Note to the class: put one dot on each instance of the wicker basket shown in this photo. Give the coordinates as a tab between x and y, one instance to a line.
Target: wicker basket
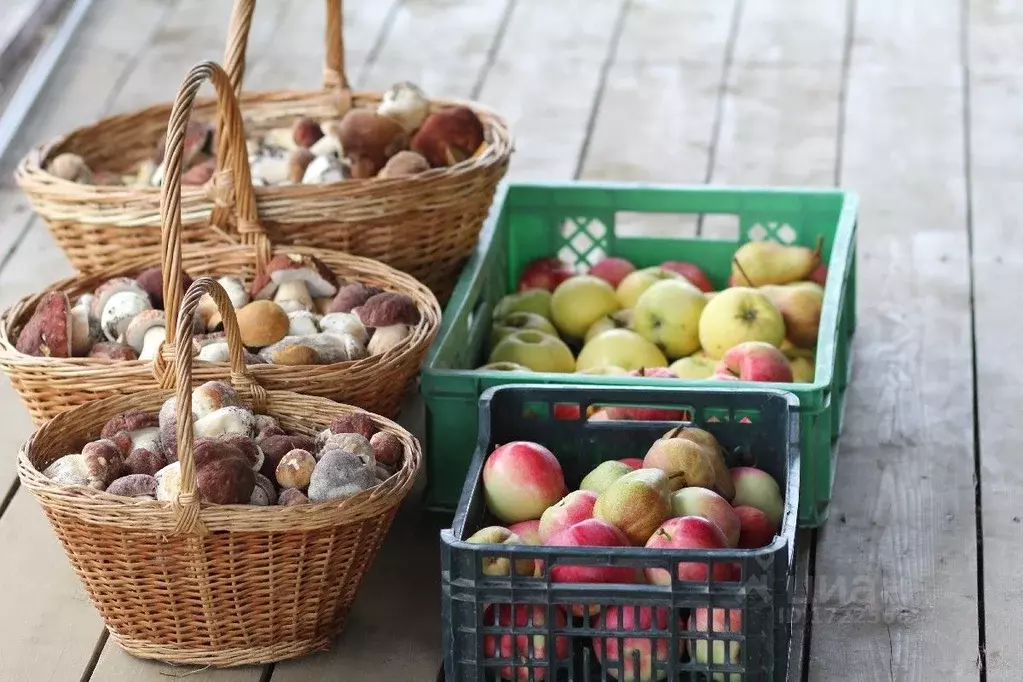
50	385
425	225
222	585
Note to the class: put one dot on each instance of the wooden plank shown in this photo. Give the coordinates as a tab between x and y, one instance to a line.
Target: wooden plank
20	31
896	593
996	172
804	34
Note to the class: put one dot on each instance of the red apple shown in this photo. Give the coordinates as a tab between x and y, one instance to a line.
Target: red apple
690	532
755	361
590	533
571	509
638	619
528	531
756	488
566	411
612	270
696	276
544	273
634	462
714	654
520	480
530	662
756	529
819	274
708	504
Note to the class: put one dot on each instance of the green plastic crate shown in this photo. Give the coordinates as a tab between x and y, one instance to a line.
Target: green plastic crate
577	221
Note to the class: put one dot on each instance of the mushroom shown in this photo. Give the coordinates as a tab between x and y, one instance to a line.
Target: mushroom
248	447
321	304
369	139
140	427
387	448
291	351
226	420
212	396
200	173
289	267
119	310
223	474
151	281
298	162
293	295
215	352
109	288
323	169
104	462
271	170
168	482
388	308
262	323
449	136
146	332
403	164
355	422
71	167
328	146
113	351
68	470
355	443
407	104
351	296
141	486
295	469
321	349
292	497
276	446
264	494
264	422
341	474
386	338
344	323
306	132
281	138
302	323
85	329
235	290
48	332
144	460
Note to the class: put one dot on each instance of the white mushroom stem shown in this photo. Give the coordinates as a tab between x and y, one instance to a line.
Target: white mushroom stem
81	332
151	342
236	291
293	295
215	352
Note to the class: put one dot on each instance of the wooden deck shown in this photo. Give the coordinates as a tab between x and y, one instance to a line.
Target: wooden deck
915	104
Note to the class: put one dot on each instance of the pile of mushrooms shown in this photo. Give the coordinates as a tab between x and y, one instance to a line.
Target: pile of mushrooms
296	313
400	137
240	457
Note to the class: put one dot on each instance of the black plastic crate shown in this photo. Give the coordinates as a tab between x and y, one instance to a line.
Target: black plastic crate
757	428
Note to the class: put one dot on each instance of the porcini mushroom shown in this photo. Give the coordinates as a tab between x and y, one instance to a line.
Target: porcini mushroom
212	396
146	332
71	167
344	323
119	310
227	420
293	295
406	103
302	323
369	139
449	136
48	332
262	323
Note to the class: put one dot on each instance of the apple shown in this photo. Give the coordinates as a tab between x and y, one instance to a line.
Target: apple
533	349
622	348
690	532
621	319
580	301
498	566
503	367
800	305
711	506
635	283
691	272
668	314
819	274
612	270
755	361
603	475
756	488
544	273
520	480
571	509
737	315
714	654
756	530
590	533
640	620
693	367
529	533
604	370
530	658
536	301
514	322
802	370
634	462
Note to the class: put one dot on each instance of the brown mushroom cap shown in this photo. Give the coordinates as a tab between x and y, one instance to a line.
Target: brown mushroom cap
275	447
104	462
262	323
355	443
109	350
226	479
145	461
132	420
369	139
134	485
292	497
48	331
387	309
306	132
211	396
264	493
449	136
71	167
248	447
403	164
109	288
351	296
295	469
356	422
151	281
290	267
387	448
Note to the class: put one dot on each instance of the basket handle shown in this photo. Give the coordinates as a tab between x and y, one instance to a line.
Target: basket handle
231	186
334	76
187	504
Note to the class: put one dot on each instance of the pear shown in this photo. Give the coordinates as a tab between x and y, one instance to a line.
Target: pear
800	306
686	463
603	475
637	503
529	301
722	476
757	263
514	322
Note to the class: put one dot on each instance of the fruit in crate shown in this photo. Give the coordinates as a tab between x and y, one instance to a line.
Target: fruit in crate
737	315
621	319
716	651
684	462
635	283
756	488
819	275
604	370
500	566
639	620
758	263
612	270
536	301
693	367
636	503
708	504
528	531
603	475
534	349
722	475
800	306
580	301
529	652
514	322
619	348
590	533
544	273
802	370
755	361
520	480
633	462
756	530
571	509
692	272
668	315
690	532
239	457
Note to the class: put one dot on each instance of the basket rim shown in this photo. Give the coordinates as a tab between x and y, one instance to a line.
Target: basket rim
233	517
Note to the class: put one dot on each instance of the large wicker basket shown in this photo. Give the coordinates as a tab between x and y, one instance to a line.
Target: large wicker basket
50	385
191	582
426	225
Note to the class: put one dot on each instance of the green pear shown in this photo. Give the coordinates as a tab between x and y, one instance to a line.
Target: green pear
686	463
800	306
722	476
758	263
580	301
637	503
603	475
533	349
503	326
737	315
668	315
529	301
621	348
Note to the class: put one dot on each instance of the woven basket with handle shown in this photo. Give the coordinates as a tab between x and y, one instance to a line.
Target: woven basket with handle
191	582
50	385
425	225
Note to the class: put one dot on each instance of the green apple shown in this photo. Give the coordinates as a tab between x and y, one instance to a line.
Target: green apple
638	281
580	301
668	315
504	367
605	370
514	322
693	367
620	348
618	320
536	301
538	351
737	315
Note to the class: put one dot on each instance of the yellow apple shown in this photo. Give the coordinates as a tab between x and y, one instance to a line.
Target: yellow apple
536	301
737	315
604	370
533	349
668	314
802	370
580	301
618	320
622	348
635	283
514	322
693	367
